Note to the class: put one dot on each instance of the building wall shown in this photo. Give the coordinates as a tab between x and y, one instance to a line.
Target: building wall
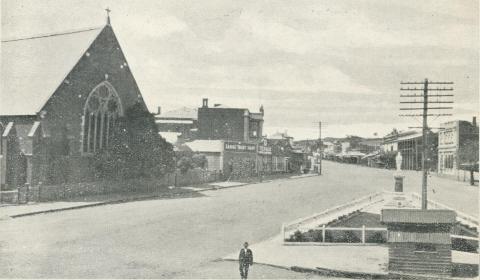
455	142
12	164
448	139
214	161
255	129
221	123
231	124
390	147
239	164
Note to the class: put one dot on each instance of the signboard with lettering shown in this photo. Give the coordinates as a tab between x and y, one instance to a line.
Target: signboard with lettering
264	150
240	147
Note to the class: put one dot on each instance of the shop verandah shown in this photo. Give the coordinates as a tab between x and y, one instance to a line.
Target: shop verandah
411	148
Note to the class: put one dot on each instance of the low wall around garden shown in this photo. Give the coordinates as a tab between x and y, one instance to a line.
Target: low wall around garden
66	191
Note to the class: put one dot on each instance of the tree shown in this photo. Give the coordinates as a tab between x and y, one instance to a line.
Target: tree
185	163
135	149
468	156
153	155
200	161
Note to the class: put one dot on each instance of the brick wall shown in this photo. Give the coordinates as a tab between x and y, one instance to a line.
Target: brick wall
221	123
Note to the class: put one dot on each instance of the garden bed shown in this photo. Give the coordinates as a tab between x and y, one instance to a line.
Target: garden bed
337	231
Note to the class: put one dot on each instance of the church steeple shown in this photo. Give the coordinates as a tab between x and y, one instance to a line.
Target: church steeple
108	15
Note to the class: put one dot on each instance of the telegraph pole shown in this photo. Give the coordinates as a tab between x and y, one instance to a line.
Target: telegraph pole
425	114
321	147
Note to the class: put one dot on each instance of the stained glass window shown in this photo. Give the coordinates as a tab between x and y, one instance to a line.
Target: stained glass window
102	109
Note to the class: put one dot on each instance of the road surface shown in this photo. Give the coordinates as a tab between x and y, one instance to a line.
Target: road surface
184	238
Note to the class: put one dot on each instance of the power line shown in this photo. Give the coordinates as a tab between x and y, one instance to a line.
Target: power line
421	95
425	114
321	147
429	108
421	89
422	115
421	102
429	82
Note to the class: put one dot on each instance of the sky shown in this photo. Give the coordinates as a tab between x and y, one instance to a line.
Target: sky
338	62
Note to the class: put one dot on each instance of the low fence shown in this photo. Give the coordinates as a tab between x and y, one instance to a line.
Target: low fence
316	224
363	236
338	210
39	192
339	235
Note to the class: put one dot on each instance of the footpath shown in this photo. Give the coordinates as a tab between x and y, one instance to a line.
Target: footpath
8	211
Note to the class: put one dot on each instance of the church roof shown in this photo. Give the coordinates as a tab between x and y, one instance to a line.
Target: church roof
33	68
181	113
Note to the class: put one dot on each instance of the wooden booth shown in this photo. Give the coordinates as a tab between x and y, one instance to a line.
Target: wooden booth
419	241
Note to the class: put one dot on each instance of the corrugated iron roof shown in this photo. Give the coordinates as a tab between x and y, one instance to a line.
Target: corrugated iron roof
212	146
418	216
174	121
419	237
411	135
33	68
181	113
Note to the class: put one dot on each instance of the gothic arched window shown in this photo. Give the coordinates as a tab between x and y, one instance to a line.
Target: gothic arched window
102	109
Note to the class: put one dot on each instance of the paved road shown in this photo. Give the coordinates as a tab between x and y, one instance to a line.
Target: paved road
181	238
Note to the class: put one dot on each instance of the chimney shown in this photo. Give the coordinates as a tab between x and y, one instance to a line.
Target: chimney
205	103
474	121
159	110
262	111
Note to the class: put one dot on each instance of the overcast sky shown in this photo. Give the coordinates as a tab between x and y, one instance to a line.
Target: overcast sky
339	62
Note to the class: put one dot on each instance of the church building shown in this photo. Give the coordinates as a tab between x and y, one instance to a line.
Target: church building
61	96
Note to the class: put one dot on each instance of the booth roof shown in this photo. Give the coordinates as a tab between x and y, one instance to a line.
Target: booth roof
418	216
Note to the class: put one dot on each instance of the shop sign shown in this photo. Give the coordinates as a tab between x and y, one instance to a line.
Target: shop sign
240	147
264	150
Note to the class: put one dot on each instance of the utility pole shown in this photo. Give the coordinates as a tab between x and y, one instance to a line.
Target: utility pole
425	101
321	147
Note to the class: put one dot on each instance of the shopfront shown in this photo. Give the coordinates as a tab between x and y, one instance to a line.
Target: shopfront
264	158
239	160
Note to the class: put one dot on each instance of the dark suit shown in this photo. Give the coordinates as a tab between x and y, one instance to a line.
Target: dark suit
245	259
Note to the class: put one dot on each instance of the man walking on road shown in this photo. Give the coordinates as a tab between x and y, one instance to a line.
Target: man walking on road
245	260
